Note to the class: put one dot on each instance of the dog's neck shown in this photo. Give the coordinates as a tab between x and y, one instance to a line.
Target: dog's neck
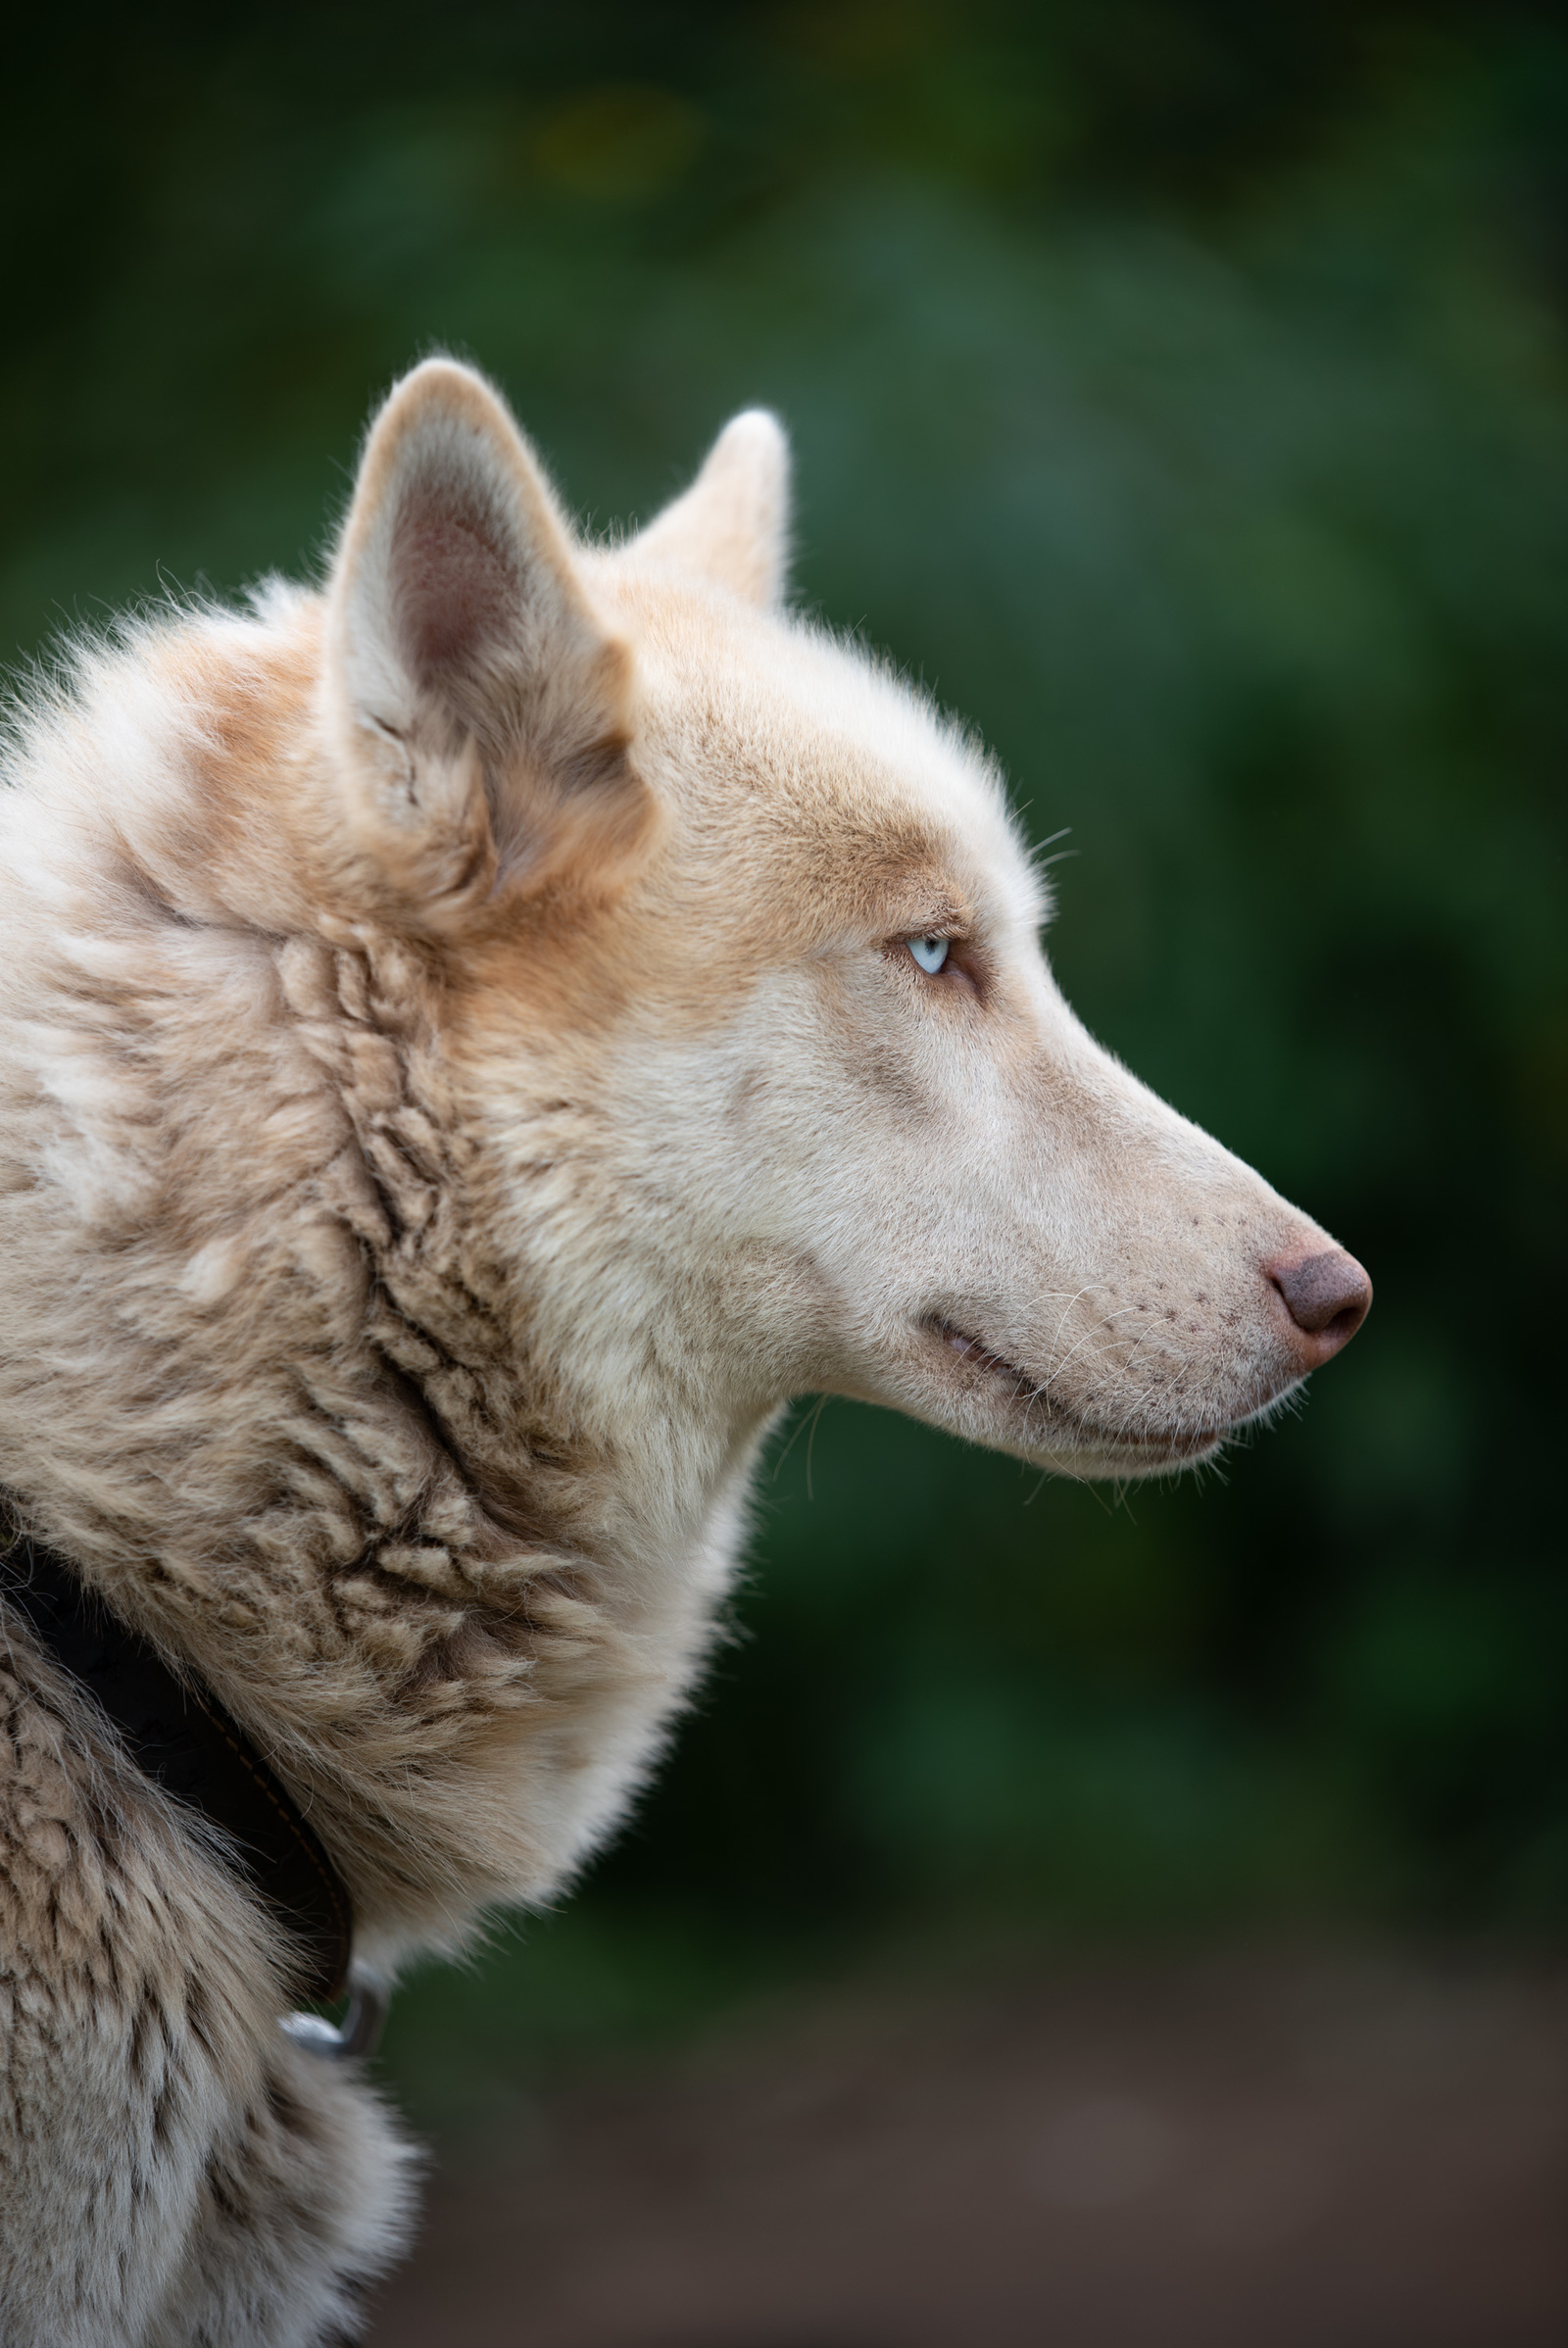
288	1366
405	1555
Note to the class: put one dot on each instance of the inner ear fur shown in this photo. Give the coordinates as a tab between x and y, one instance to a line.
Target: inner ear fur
731	527
481	705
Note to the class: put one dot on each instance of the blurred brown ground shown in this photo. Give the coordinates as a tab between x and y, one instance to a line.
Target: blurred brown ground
1280	2148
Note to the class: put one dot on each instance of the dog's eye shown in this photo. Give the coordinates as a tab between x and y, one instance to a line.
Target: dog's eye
929	952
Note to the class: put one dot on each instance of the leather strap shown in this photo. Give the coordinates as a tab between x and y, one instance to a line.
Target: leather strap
183	1738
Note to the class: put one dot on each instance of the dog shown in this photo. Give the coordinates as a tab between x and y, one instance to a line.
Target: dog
474	1042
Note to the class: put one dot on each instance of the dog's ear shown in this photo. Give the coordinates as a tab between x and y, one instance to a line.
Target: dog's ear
482	706
732	527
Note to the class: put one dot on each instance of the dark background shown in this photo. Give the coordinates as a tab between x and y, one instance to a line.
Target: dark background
1181	392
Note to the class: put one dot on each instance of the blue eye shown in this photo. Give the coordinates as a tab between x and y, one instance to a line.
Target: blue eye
929	952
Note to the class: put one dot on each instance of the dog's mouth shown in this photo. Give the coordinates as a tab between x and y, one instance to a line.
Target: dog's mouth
1030	1399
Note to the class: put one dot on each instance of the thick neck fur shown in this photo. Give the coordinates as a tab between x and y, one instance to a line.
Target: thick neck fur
267	1363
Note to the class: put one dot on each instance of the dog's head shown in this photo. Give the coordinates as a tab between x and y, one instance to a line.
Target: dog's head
741	952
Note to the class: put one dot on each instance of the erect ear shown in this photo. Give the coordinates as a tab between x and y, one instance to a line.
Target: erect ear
482	706
731	527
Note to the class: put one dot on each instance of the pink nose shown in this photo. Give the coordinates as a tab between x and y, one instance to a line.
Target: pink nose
1327	1296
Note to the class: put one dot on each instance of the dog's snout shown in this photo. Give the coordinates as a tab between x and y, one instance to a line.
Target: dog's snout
1327	1296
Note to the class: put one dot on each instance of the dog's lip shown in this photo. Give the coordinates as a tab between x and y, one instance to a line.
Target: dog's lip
1177	1443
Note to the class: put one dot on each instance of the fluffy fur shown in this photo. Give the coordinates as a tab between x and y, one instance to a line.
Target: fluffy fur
462	1069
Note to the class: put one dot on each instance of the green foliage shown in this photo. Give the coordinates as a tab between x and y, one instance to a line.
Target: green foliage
1181	392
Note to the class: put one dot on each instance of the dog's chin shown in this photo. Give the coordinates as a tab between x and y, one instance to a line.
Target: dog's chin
1050	1433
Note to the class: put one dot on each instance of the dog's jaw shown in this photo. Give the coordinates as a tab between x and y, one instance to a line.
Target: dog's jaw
1056	1437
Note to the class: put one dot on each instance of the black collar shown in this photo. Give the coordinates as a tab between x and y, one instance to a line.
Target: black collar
181	1736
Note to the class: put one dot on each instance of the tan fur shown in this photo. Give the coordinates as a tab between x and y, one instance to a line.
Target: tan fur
460	1071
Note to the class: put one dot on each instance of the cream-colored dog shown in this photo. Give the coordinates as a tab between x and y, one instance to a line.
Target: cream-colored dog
473	1043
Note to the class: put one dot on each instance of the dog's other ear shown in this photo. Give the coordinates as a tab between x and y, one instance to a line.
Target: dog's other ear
482	707
732	527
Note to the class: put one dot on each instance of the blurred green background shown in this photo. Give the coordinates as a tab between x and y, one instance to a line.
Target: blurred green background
1181	392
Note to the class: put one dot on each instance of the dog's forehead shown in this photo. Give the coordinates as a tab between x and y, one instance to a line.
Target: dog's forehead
769	735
